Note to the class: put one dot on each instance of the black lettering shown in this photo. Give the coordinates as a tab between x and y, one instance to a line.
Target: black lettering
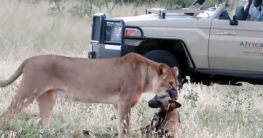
242	44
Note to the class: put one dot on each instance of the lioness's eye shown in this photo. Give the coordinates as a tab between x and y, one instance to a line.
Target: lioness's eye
171	83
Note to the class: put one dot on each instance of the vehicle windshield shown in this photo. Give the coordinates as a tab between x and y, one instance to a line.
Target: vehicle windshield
208	12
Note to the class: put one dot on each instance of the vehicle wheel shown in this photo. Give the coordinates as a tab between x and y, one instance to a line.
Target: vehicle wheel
167	58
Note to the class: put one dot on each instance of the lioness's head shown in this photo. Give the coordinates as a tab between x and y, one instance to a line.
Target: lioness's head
166	78
163	100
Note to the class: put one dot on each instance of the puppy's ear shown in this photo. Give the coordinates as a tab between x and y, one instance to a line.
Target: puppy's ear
161	69
174	104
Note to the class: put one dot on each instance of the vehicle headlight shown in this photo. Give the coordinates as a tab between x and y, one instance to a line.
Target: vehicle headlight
113	32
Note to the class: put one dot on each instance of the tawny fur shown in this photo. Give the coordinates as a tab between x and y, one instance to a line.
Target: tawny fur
117	81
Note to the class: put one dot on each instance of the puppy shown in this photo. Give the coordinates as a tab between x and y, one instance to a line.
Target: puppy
166	121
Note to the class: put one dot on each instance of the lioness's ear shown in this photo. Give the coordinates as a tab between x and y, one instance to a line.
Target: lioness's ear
176	70
161	69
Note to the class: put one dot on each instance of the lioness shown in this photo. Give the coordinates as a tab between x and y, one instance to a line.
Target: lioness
118	81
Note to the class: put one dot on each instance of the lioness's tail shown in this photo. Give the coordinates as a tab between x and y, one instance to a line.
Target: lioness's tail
18	72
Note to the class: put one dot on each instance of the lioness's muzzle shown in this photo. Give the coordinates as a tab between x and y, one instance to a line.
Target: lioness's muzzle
172	92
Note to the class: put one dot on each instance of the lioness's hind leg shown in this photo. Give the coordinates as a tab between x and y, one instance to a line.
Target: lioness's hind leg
27	92
18	103
46	103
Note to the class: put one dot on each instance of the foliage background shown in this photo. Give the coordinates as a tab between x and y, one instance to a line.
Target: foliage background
86	8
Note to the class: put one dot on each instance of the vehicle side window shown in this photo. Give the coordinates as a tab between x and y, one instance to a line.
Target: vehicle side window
224	15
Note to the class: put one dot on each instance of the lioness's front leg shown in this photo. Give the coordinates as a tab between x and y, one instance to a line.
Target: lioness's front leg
123	118
116	115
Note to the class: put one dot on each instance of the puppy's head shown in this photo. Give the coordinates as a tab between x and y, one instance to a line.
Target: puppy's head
163	100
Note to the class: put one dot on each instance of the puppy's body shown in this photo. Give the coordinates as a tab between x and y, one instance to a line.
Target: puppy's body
117	81
164	123
171	123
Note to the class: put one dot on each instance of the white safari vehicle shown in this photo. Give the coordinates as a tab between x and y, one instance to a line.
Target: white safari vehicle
207	45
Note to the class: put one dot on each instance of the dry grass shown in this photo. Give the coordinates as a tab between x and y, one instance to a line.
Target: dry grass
207	112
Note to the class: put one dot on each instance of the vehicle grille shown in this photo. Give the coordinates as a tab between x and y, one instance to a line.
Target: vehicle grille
96	29
108	33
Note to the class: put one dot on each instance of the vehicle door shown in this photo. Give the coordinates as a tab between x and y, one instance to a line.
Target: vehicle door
237	47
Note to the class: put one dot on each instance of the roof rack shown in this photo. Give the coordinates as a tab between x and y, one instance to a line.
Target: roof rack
162	12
